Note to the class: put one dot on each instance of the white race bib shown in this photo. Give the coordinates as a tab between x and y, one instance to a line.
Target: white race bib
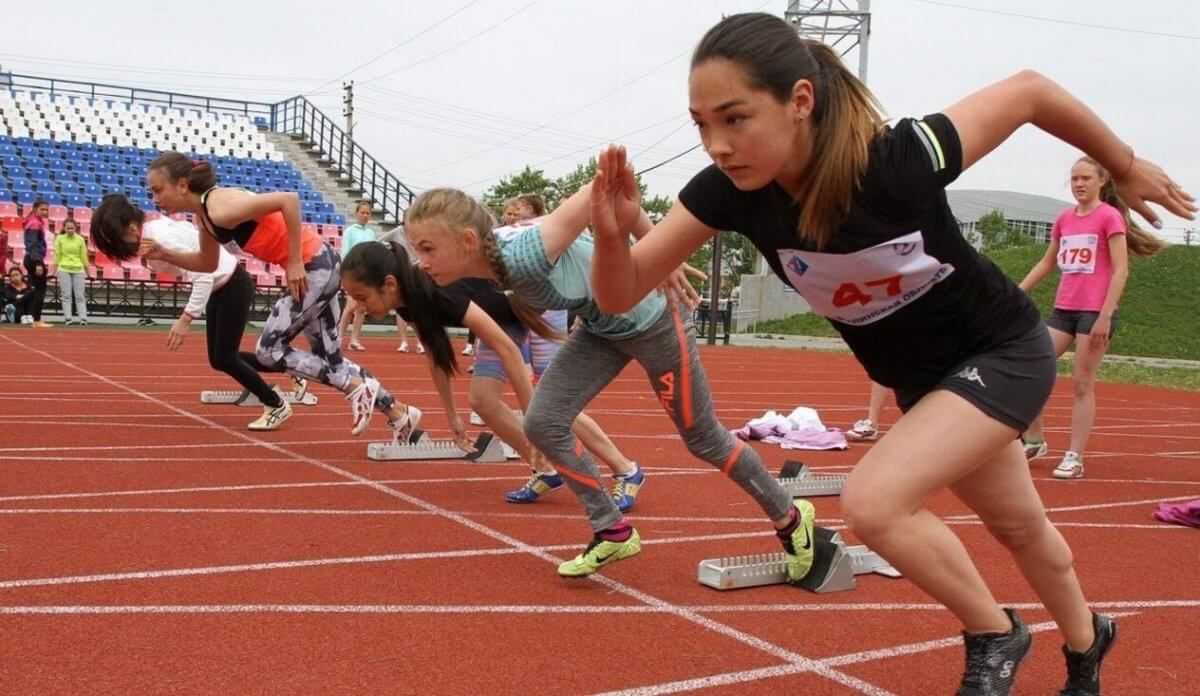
868	285
1077	253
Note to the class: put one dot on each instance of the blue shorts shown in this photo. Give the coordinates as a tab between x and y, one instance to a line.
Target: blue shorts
487	361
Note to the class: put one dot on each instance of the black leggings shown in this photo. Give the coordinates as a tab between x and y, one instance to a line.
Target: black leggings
227	311
38	283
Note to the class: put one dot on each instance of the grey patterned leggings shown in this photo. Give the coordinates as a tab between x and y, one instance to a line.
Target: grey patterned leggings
317	317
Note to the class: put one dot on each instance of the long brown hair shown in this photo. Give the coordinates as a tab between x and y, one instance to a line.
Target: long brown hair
451	210
846	116
1137	240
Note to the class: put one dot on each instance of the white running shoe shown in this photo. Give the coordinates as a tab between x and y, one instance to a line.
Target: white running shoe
272	418
362	404
299	388
356	345
403	347
1071	467
420	348
402	432
1035	449
476	419
469	350
862	431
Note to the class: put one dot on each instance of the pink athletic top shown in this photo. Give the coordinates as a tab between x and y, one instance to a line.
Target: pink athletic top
1083	256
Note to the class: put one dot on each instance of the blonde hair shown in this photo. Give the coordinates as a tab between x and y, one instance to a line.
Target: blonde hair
1137	240
452	210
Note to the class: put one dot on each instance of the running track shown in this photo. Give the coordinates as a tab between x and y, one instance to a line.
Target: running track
150	545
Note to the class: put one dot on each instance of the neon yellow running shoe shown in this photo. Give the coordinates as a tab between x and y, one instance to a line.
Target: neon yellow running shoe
600	553
799	547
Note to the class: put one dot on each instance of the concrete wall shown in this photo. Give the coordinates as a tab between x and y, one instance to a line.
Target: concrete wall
765	297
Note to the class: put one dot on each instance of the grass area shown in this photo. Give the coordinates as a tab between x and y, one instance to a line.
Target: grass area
1157	316
1145	375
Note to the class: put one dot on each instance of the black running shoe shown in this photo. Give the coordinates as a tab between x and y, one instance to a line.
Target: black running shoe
1083	669
993	659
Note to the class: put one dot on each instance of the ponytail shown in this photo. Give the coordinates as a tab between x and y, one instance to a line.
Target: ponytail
199	174
1137	240
370	263
846	116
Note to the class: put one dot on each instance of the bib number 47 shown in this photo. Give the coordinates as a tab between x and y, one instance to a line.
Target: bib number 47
849	293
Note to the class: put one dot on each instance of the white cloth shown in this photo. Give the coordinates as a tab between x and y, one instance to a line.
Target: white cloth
180	235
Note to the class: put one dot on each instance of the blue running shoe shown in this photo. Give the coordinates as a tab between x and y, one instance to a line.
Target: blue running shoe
626	487
538	485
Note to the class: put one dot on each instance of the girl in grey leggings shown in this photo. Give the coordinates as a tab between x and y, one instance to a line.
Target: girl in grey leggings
545	265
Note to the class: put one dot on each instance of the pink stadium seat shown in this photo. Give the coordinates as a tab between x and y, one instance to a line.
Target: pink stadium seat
16	241
152	215
264	280
58	213
82	215
8	210
18	256
310	227
331	231
139	273
112	273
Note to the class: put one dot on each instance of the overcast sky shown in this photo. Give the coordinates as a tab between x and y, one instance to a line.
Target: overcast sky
504	83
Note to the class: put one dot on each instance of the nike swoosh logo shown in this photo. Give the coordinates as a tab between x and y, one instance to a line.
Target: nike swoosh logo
807	538
604	559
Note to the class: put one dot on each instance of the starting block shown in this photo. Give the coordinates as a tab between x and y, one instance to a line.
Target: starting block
245	398
835	566
800	482
488	448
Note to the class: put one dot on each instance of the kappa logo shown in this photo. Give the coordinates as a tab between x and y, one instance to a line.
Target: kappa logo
971	374
796	265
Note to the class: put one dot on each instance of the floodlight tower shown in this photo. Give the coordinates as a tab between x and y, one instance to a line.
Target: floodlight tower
843	24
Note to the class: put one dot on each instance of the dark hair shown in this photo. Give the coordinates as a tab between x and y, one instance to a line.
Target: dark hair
370	263
536	203
39	202
71	220
846	116
361	202
176	165
109	222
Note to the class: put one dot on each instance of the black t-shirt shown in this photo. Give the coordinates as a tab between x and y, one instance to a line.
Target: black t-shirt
452	302
908	294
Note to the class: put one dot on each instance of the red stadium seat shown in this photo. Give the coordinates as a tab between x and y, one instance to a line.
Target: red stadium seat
8	210
82	215
166	279
112	273
58	213
139	273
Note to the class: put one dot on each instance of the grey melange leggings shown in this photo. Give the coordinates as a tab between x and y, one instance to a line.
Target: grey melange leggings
587	362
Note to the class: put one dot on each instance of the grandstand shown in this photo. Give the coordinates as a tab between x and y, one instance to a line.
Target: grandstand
70	143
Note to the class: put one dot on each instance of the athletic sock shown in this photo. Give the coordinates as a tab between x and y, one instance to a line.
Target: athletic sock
793	522
621	530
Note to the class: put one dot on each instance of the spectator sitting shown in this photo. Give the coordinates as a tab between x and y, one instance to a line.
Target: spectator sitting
17	295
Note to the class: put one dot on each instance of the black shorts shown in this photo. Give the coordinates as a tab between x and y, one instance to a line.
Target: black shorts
1009	383
1074	323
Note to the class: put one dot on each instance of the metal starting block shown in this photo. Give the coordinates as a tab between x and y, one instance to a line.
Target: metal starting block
488	448
800	482
835	566
245	398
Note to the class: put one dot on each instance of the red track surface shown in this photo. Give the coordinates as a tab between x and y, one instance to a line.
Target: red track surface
149	544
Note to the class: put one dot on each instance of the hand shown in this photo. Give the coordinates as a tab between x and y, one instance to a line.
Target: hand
1146	181
297	280
616	200
39	270
1098	339
150	249
677	284
458	431
178	332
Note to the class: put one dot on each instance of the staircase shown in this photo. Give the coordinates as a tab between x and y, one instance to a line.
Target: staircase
325	176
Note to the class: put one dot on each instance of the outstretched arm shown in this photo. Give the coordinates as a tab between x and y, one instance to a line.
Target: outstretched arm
1041	269
623	275
988	117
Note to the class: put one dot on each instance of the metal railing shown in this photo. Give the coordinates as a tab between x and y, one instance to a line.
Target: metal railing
33	84
299	115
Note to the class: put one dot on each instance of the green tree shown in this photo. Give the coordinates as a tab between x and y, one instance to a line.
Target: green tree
528	180
992	229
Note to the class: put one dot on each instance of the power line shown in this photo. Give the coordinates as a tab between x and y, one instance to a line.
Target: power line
1061	21
650	169
402	43
470	38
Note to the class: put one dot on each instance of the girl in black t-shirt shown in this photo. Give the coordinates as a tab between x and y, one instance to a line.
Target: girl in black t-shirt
853	215
382	278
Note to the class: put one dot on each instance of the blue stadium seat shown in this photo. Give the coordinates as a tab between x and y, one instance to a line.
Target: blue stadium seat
76	200
20	185
24	197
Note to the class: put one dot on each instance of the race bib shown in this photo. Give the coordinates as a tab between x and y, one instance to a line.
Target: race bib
868	285
1077	253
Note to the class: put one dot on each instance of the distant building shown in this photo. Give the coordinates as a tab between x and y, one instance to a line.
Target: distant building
1032	215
